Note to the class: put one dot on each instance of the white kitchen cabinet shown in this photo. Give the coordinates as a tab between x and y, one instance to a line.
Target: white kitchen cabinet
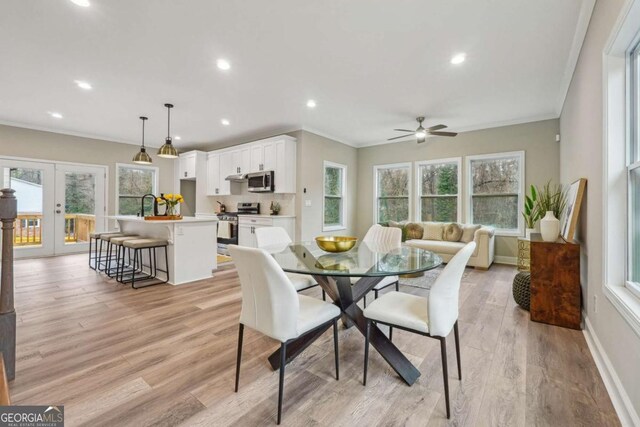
187	169
285	165
213	174
240	160
226	169
263	156
248	224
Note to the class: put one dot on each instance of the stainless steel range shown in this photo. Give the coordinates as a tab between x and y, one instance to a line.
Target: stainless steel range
228	225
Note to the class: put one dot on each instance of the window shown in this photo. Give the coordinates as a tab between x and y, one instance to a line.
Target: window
496	183
335	176
392	191
633	178
438	183
133	182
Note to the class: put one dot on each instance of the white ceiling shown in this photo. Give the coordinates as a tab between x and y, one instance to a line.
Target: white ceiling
371	65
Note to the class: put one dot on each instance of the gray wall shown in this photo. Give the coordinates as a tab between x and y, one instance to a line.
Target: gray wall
581	157
537	139
313	150
34	144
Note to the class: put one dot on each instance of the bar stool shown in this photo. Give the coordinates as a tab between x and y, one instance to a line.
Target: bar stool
110	255
117	244
138	246
100	237
93	254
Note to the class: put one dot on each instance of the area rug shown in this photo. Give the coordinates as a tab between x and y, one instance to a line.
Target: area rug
427	280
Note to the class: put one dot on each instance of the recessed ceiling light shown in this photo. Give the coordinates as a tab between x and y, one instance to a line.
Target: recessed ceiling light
459	58
223	64
177	138
311	103
55	115
225	122
84	85
83	3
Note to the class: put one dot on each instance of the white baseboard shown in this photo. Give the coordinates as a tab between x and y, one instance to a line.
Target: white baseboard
619	397
510	260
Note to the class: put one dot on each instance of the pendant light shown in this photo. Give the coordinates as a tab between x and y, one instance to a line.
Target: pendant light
168	151
142	157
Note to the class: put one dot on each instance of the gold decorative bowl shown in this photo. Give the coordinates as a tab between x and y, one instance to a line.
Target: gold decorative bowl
336	243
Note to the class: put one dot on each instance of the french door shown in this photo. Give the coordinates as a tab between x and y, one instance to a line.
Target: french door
59	205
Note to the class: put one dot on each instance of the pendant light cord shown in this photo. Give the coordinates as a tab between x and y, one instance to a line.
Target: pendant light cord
143	133
168	122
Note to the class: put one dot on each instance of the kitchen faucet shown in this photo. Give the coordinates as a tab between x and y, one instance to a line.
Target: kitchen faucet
155	204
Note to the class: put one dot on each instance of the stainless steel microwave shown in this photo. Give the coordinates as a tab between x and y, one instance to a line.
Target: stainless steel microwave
260	182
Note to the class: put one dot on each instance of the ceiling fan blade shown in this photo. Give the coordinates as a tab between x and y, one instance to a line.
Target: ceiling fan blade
437	127
443	133
401	136
405	130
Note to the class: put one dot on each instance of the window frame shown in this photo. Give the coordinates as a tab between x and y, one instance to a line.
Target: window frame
520	155
343	212
418	184
376	169
119	166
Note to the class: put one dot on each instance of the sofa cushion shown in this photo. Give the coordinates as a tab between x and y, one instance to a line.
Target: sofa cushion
439	247
414	231
432	231
452	232
469	232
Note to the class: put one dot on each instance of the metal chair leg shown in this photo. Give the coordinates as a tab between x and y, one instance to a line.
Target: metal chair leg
283	362
365	301
335	347
445	373
375	291
366	350
398	286
324	295
457	337
134	269
239	357
391	333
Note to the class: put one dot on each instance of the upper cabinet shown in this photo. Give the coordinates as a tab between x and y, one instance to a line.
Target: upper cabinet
277	154
187	169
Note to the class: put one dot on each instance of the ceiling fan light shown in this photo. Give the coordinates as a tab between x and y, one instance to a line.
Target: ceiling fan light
421	134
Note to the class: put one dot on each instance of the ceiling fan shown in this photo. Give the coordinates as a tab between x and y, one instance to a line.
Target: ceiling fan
421	132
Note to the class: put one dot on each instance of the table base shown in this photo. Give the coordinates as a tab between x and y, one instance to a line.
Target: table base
345	295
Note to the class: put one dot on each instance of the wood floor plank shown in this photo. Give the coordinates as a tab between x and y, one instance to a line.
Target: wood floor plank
165	356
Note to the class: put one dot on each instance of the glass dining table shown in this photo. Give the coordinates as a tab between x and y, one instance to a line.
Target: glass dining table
369	263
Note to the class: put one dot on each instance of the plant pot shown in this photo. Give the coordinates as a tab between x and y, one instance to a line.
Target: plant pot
549	227
528	232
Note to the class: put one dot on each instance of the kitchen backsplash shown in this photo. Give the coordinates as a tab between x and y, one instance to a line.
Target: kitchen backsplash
240	194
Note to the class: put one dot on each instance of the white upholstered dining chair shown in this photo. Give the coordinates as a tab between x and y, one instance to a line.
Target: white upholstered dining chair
271	305
434	316
388	238
278	238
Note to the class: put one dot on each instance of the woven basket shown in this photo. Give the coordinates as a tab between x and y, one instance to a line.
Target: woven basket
522	289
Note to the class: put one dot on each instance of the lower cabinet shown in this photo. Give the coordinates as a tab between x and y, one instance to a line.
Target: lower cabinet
248	224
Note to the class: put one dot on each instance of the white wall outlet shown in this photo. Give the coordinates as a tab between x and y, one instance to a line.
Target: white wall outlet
307	203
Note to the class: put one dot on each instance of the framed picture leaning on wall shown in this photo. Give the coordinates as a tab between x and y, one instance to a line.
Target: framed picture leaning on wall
574	201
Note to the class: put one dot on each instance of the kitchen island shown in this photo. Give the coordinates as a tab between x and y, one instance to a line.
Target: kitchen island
192	244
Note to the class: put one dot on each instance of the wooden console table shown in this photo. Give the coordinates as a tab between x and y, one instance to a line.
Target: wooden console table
555	282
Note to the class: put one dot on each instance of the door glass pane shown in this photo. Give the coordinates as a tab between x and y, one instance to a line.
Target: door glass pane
27	183
79	206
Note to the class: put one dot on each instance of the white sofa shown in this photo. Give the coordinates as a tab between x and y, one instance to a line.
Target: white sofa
482	257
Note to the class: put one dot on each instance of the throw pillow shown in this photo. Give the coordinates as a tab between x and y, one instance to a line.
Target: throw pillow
432	231
452	232
469	232
414	231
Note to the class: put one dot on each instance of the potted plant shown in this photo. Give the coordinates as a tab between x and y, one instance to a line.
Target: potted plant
530	213
275	208
550	205
171	201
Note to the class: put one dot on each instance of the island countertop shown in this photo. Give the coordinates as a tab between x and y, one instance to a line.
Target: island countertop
185	219
192	244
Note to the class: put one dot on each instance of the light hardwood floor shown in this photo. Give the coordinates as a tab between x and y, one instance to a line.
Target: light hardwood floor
165	356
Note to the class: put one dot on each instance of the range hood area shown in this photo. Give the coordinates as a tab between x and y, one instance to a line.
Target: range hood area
239	177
